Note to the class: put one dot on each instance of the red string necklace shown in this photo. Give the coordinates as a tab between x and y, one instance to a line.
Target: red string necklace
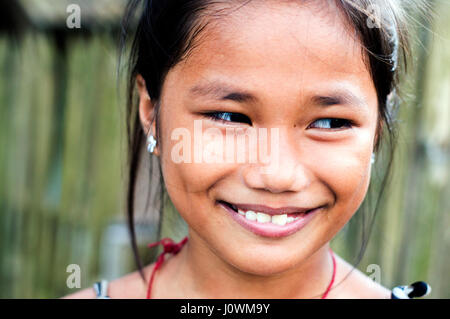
170	247
325	294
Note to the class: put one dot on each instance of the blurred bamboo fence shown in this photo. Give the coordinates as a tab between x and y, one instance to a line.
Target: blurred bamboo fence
61	170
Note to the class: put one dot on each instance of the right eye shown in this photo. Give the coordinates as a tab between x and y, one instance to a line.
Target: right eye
229	117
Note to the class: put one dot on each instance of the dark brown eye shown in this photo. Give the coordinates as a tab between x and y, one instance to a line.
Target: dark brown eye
331	123
229	117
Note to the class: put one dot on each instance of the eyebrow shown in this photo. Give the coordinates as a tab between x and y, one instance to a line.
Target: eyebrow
223	91
339	97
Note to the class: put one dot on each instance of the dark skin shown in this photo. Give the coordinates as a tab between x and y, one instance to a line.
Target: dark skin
286	54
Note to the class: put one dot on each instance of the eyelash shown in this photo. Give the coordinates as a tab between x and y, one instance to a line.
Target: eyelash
220	116
345	123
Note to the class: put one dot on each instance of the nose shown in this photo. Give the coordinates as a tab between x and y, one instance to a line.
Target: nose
283	172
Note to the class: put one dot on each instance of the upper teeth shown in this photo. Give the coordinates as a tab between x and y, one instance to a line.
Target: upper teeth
265	218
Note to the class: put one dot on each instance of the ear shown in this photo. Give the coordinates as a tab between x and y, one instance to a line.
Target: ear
146	110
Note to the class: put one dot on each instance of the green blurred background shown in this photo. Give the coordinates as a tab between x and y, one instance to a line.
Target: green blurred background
62	156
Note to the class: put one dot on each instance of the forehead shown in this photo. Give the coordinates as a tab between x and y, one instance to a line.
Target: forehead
282	45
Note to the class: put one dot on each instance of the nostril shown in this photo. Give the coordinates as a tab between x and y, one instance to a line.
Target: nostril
276	189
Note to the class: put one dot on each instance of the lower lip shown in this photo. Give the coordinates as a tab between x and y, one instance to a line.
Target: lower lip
269	229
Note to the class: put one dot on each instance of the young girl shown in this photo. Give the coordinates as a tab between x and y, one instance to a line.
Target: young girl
310	84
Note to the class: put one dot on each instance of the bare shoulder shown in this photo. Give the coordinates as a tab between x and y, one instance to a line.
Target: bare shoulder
351	283
87	293
130	286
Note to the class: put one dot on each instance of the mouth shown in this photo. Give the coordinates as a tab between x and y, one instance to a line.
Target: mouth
269	222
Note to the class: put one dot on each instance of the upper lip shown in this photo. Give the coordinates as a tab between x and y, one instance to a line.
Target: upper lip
270	210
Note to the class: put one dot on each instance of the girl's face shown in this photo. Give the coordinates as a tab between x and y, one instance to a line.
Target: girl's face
289	65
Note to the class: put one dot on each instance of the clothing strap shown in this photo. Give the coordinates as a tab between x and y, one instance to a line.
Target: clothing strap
168	247
101	289
415	290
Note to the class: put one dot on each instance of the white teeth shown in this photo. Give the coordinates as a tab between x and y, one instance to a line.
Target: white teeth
250	215
263	218
279	219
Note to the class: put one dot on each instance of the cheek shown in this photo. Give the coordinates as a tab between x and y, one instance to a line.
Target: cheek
193	156
191	166
346	173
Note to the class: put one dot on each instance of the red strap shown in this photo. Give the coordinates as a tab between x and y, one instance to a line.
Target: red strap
169	247
173	248
324	296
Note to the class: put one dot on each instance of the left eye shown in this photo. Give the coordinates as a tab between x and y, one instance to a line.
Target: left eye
229	117
331	123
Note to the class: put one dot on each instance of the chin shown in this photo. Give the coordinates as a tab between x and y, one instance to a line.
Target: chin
268	263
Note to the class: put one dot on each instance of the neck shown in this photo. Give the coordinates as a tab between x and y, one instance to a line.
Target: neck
309	279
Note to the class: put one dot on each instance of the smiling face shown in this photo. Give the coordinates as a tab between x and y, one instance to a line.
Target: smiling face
288	65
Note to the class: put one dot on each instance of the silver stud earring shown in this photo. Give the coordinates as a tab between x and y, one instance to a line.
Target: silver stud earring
151	144
372	158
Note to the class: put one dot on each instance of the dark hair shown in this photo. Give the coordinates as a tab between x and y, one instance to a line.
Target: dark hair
165	33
